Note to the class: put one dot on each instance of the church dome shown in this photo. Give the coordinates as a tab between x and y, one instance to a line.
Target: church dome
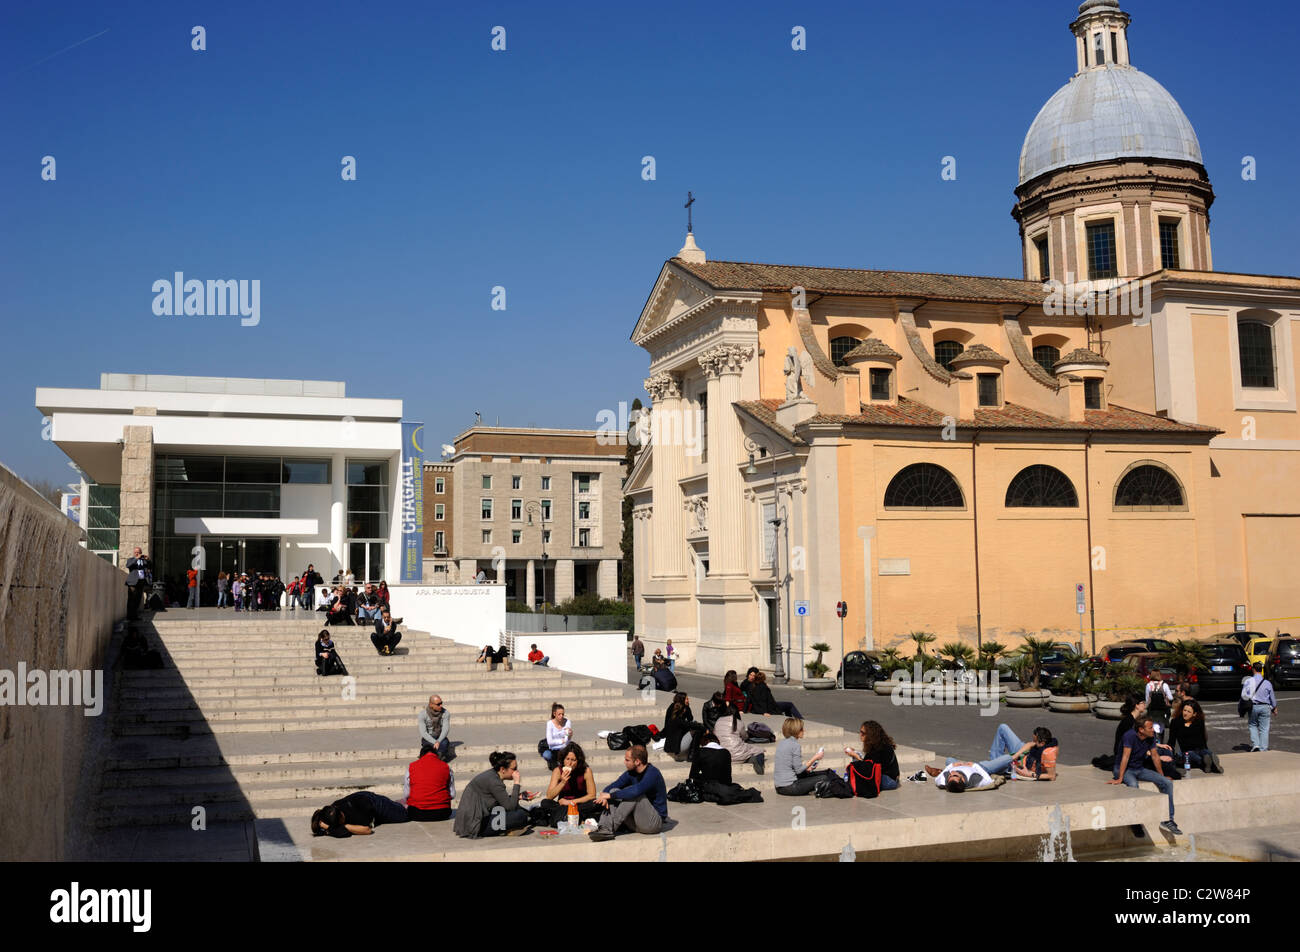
1114	112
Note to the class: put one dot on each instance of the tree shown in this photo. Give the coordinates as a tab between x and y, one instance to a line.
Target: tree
50	490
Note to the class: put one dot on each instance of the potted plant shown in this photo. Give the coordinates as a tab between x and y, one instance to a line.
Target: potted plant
1028	668
1119	682
817	680
891	662
988	662
1073	690
1186	656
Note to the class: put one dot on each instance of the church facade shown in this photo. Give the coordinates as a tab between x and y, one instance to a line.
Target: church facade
1107	446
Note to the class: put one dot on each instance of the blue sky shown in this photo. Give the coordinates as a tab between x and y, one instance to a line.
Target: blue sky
523	169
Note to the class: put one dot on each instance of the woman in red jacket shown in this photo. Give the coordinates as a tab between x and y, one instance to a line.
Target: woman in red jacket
731	692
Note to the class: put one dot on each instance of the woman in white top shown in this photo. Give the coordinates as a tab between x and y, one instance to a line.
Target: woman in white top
559	732
728	729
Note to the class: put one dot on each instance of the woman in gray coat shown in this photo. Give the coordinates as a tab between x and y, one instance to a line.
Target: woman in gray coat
728	730
485	809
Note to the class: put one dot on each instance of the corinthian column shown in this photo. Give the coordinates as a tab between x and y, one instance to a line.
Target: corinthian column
668	466
723	366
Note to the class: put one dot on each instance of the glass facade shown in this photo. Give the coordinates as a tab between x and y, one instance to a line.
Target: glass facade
103	509
248	487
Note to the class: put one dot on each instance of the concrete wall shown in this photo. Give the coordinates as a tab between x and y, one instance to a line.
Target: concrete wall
58	602
594	654
467	614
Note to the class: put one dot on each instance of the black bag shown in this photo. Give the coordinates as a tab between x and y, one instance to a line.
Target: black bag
864	778
688	791
617	741
833	787
638	734
1104	761
542	747
760	733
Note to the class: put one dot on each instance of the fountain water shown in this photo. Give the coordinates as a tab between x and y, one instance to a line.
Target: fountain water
1057	847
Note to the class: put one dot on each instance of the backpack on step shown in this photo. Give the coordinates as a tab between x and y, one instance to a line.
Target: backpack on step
864	778
639	734
760	733
833	787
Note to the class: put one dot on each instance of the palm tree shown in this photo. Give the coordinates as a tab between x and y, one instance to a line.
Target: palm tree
1186	655
957	651
891	661
1029	658
923	638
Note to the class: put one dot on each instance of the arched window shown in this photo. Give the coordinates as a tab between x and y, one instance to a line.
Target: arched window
1041	486
923	486
841	346
946	351
1046	356
1255	349
1148	486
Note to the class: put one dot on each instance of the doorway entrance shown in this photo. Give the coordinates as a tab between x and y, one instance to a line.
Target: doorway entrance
366	561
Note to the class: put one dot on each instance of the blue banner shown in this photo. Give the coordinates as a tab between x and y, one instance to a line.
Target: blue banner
412	504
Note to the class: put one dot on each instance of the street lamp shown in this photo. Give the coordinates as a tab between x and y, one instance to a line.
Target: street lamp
752	446
534	506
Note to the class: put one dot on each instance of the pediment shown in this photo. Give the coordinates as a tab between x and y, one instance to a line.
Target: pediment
639	478
675	295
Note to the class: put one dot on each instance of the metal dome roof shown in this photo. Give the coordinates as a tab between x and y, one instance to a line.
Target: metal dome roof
1107	113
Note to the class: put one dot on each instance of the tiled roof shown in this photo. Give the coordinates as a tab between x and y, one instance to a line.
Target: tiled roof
748	276
976	353
764	411
1081	355
872	347
1014	417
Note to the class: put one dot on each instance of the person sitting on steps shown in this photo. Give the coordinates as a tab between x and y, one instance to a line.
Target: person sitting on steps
326	655
1137	744
430	788
435	723
386	635
486	809
637	801
727	730
572	783
792	775
877	746
536	657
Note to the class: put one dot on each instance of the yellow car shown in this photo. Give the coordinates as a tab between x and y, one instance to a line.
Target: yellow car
1257	649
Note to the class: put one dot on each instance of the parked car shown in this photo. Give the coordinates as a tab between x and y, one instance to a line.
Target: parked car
1144	662
1242	638
1283	664
1257	649
860	669
1122	649
1228	665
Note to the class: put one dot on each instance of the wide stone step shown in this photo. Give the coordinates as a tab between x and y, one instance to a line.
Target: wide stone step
465	703
398	691
369	666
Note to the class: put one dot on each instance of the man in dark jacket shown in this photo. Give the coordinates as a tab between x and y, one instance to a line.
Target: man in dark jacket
139	576
664	679
386	635
636	801
311	578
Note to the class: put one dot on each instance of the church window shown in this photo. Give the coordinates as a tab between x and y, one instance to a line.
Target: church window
879	383
923	486
1092	394
1101	250
1044	262
1099	48
988	390
841	346
945	352
1169	243
1114	47
1147	486
1255	349
1046	356
1041	487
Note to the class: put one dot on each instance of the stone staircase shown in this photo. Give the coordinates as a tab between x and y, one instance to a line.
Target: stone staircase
240	724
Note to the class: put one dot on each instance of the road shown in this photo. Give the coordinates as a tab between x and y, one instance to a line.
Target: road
965	732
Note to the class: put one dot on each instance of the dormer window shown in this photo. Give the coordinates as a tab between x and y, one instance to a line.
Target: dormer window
841	346
946	351
880	383
1092	393
988	390
1046	356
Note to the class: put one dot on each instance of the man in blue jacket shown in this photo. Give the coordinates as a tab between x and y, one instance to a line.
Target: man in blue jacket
636	801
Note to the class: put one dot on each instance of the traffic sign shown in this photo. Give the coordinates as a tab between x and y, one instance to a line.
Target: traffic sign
801	608
841	609
1079	599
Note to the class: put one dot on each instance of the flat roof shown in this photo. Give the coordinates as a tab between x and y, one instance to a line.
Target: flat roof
253	386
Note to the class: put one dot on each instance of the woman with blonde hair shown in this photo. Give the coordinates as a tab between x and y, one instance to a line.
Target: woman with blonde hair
792	775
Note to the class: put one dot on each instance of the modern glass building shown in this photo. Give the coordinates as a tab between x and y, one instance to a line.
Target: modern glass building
230	474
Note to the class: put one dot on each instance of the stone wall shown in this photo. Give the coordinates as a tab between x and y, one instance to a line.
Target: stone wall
58	603
136	511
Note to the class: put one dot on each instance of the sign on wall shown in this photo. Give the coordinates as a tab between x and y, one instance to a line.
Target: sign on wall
412	503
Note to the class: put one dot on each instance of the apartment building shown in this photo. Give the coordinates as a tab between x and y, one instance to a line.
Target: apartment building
538	509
